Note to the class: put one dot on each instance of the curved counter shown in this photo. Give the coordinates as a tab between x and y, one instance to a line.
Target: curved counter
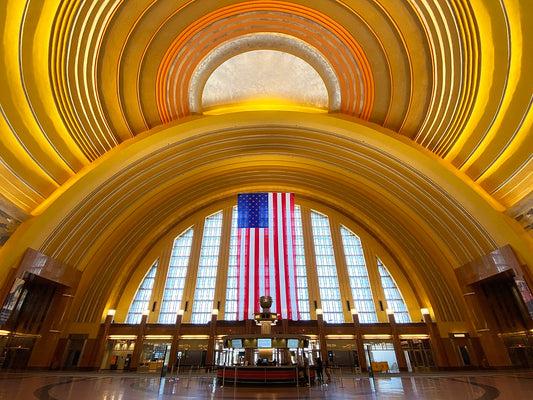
285	374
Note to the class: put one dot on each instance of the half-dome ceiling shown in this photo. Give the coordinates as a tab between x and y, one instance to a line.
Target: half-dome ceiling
80	78
265	76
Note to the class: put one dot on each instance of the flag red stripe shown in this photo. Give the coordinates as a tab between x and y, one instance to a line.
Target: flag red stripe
267	271
258	290
246	271
286	255
295	312
239	235
275	224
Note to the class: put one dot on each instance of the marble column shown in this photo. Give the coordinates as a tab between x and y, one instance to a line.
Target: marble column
101	343
210	356
400	356
435	340
138	344
359	341
175	341
322	334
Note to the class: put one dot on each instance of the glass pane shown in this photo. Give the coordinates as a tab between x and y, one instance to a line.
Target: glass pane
207	270
392	295
230	313
358	274
326	269
301	272
175	282
141	300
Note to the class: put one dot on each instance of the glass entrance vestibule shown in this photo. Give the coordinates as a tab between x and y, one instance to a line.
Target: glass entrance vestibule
118	354
381	355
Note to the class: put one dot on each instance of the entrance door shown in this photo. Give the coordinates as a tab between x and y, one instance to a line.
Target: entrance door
75	347
154	356
419	355
381	357
465	355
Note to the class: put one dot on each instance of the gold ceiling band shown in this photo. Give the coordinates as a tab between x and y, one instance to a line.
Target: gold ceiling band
232	13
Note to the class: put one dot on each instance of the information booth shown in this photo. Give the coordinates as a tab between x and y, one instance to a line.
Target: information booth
257	359
265	358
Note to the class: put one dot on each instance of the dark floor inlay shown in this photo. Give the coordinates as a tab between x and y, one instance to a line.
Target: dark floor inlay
42	392
490	391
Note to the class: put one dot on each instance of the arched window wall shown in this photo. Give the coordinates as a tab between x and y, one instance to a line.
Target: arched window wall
360	274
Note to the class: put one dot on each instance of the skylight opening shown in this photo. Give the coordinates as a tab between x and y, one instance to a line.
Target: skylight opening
264	80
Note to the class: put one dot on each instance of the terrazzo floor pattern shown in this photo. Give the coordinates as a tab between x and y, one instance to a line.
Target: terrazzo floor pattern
515	385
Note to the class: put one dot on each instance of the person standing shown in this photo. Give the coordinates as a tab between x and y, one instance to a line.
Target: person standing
319	369
328	372
306	370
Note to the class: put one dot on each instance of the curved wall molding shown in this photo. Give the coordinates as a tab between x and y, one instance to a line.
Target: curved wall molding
104	222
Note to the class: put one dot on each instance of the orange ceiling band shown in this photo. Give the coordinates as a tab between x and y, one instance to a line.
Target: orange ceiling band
346	72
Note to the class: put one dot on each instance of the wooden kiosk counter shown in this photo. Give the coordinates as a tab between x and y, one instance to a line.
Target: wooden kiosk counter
261	360
265	358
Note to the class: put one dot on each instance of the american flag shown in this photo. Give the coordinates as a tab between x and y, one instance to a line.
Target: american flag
266	261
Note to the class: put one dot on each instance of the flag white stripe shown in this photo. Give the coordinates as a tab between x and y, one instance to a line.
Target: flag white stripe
281	257
261	249
271	254
251	276
242	277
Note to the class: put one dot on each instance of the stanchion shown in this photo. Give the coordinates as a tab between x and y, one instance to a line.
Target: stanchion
178	369
340	374
370	371
190	374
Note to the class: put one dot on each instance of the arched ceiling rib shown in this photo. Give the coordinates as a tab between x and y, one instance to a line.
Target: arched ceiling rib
127	203
80	78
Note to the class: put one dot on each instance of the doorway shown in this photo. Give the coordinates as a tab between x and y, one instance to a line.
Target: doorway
381	357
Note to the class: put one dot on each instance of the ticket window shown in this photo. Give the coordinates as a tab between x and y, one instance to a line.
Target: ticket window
154	356
118	355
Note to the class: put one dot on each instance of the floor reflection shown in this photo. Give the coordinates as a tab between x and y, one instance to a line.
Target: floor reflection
514	385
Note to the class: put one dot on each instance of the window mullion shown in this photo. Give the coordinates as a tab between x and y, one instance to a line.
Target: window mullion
375	283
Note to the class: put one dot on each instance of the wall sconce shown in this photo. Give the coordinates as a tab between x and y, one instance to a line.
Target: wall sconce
214	312
389	311
180	312
111	312
354	311
424	311
319	311
146	312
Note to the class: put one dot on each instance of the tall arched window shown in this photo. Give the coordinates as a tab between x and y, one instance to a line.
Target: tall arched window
207	270
328	281
392	295
361	291
301	272
141	301
177	272
231	286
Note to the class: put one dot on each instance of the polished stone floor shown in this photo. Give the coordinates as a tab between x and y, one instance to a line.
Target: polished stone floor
515	385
